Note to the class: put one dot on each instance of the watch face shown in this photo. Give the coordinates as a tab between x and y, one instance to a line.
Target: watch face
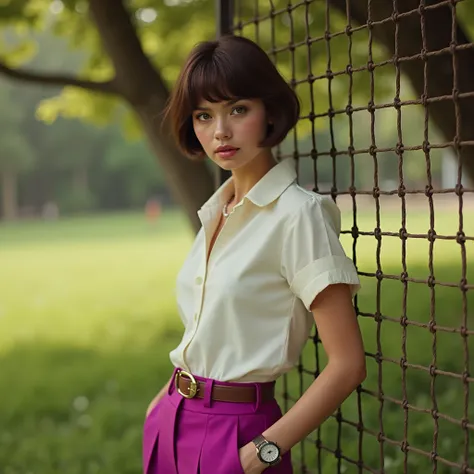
269	452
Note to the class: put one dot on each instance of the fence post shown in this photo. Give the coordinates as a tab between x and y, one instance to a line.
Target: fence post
225	16
224	19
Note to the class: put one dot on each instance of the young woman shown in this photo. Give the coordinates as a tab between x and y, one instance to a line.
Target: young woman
265	266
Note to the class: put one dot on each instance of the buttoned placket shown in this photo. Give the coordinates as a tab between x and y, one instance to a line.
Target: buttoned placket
200	281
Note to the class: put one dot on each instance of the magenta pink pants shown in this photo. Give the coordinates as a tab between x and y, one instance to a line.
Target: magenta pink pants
201	436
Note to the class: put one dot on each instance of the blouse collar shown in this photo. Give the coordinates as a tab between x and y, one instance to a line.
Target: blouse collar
268	189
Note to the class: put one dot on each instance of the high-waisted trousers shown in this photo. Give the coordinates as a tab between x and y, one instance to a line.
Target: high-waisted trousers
203	436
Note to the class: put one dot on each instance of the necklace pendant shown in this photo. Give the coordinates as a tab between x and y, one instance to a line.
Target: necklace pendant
224	209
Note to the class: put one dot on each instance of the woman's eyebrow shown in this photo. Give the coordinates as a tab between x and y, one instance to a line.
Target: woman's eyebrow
227	104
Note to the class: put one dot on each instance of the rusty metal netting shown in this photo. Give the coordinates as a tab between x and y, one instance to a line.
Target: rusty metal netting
387	129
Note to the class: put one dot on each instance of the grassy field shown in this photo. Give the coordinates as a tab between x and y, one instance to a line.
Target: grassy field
88	316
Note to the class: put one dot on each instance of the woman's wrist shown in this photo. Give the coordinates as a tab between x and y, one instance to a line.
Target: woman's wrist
249	459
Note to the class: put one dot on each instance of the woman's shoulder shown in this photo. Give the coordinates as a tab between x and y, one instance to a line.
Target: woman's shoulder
296	199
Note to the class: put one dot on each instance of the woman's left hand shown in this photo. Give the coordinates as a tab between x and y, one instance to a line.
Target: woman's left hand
249	460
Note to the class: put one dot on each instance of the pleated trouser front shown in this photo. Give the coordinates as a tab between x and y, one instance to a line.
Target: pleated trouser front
200	436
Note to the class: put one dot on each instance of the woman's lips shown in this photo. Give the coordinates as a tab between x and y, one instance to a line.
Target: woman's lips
229	153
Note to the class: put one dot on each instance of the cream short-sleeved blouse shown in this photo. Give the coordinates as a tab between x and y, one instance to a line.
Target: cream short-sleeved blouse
246	312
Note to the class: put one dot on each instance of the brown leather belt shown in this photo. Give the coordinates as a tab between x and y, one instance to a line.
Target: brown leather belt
189	387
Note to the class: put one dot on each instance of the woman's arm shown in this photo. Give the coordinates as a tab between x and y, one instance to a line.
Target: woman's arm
340	334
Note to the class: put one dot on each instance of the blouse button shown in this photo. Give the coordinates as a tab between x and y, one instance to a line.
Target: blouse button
198	280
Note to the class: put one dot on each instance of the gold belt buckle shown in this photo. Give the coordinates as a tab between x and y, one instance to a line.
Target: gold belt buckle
193	387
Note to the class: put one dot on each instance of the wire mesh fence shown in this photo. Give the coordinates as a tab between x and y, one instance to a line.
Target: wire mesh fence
387	129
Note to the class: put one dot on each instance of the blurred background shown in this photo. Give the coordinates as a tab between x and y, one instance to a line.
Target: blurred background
98	211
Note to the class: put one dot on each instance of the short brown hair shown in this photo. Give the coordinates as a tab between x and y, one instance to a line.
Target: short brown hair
231	67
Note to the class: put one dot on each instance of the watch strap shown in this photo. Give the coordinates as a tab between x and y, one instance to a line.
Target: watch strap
259	441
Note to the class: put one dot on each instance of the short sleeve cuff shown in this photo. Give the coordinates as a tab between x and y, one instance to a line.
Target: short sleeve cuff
321	273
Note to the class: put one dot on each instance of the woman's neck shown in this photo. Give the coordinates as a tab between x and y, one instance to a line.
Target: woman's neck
246	177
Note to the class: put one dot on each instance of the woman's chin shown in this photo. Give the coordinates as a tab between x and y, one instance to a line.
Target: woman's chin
228	164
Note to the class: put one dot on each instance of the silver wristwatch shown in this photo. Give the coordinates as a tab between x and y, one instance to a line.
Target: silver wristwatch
267	451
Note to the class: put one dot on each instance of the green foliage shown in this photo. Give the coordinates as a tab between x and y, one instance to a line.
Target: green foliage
134	160
18	53
76	103
15	153
20	12
77	200
68	161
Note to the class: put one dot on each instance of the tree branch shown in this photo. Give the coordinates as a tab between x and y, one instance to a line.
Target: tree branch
25	75
135	75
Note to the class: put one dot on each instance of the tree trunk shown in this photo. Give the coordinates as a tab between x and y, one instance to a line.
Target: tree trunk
440	67
190	182
9	194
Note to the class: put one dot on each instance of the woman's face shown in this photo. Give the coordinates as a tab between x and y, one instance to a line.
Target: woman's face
230	132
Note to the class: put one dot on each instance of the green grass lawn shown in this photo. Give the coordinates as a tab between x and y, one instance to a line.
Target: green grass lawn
88	317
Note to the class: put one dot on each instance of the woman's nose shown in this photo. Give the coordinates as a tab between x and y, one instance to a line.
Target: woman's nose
222	130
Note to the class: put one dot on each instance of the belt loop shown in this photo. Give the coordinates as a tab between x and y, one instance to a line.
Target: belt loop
258	393
208	393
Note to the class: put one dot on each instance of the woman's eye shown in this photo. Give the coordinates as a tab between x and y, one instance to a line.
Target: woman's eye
240	109
202	117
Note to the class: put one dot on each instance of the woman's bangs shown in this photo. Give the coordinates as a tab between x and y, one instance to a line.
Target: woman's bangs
214	82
